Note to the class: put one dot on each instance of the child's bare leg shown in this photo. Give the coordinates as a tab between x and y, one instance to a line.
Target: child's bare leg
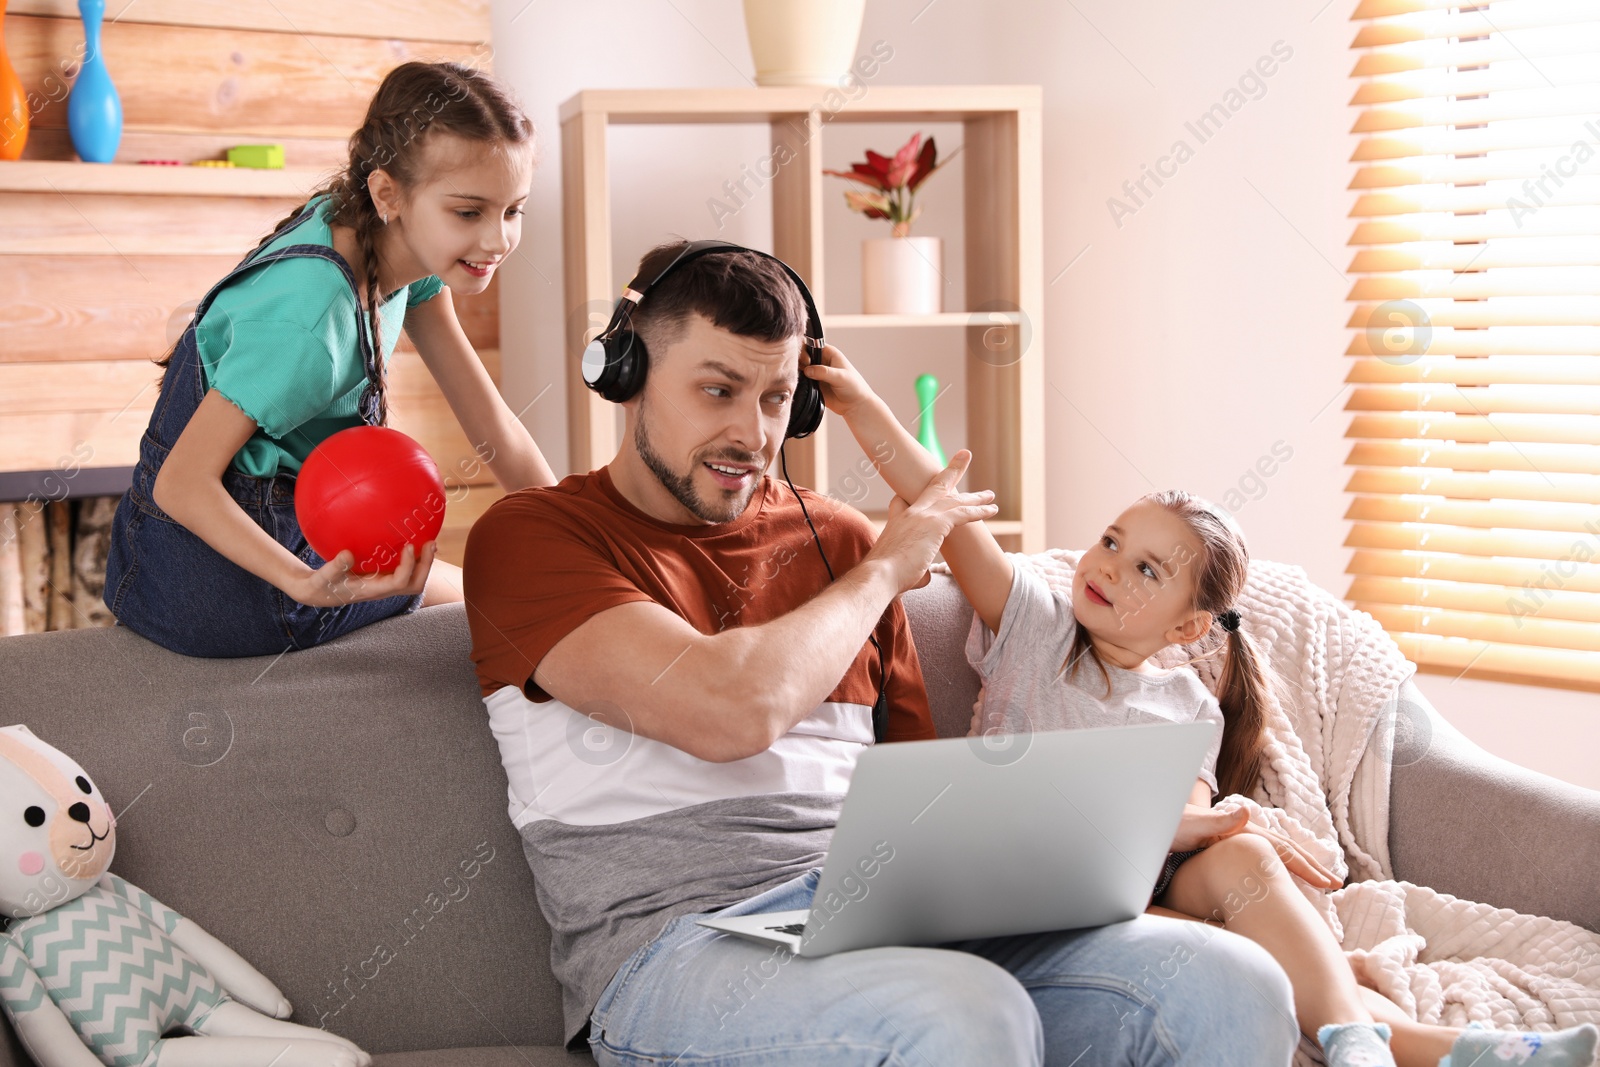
1241	880
444	585
1414	1044
1157	909
1244	883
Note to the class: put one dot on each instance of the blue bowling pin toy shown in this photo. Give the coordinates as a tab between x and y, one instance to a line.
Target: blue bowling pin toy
94	110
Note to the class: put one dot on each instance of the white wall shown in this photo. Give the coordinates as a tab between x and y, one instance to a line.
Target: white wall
1182	346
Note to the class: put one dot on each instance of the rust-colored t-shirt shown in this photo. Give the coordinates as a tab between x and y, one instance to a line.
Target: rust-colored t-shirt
542	561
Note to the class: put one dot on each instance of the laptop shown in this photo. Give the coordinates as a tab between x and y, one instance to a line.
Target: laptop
987	836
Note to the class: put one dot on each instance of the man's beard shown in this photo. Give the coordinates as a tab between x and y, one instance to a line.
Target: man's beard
724	509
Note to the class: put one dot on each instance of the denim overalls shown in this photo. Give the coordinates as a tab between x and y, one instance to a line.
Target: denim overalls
168	585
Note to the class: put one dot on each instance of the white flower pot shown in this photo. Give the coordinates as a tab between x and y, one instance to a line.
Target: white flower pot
902	275
803	42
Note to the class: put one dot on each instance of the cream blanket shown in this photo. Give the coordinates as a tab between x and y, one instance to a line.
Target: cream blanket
1326	785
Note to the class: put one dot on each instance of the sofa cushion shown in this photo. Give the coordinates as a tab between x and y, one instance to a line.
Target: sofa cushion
940	618
336	815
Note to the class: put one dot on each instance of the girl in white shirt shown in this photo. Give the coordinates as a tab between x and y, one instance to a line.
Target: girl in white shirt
1166	570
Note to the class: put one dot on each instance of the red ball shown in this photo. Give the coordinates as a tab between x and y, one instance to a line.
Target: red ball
371	490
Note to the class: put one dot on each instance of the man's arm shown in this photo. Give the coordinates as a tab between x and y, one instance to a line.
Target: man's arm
730	695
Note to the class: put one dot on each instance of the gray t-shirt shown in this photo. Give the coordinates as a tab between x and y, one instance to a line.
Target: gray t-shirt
607	889
1024	689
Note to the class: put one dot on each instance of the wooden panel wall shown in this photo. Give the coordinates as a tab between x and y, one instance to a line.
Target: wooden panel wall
97	282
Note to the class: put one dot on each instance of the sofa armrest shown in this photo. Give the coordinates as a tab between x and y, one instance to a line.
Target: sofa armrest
1481	828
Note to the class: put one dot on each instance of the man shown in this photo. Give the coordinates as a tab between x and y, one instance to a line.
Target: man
679	693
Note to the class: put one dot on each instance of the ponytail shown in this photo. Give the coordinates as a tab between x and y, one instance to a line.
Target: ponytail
1244	688
1242	691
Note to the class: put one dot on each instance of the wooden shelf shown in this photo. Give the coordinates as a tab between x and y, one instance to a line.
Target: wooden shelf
56	176
1002	215
881	103
947	318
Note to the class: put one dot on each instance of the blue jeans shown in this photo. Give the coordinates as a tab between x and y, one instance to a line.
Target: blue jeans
1150	991
167	585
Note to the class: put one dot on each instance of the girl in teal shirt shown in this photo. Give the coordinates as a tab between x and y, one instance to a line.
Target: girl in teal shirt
206	556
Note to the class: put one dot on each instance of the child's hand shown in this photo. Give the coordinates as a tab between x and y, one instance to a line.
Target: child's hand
1203	827
844	390
1301	863
332	584
915	532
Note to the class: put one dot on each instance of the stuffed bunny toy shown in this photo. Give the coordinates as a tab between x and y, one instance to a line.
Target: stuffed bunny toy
94	971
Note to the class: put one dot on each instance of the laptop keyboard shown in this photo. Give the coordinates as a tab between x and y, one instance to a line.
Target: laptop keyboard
795	929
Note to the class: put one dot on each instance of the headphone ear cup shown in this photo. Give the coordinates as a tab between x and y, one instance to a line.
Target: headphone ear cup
805	411
626	363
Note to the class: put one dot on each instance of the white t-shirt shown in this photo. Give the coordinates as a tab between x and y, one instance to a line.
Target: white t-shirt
1024	689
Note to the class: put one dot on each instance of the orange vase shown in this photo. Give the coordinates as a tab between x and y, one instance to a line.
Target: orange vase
13	102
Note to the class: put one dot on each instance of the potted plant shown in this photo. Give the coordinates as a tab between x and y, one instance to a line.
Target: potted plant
900	274
803	42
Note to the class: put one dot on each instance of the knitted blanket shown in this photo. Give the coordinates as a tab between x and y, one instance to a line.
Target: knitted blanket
1332	731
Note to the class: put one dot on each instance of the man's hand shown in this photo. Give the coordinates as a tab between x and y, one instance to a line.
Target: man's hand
896	506
914	532
1202	827
844	390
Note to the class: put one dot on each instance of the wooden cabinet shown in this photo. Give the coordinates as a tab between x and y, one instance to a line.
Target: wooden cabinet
1003	316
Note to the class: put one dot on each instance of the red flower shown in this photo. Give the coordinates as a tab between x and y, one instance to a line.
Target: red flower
894	179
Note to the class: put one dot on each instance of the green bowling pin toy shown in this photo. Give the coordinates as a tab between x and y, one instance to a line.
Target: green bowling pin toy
927	436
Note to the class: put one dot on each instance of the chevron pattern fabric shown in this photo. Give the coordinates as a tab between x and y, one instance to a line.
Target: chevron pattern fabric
113	971
20	987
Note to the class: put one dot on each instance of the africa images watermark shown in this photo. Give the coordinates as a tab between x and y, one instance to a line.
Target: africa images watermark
1554	575
852	85
343	991
1251	85
740	991
1536	189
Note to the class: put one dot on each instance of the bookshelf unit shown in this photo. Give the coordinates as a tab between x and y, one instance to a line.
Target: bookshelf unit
1003	221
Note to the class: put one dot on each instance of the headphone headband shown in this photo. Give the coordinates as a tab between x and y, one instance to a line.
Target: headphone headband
615	362
635	291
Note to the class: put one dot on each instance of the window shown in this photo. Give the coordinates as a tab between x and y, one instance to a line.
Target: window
1475	463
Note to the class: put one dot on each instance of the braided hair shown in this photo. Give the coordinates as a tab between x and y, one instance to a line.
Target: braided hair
414	97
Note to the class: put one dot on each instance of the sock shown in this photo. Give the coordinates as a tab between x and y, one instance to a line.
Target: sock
1356	1045
1478	1046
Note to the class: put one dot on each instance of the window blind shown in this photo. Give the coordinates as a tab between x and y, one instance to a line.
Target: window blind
1475	371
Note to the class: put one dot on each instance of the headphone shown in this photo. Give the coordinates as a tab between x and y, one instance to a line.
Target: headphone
615	362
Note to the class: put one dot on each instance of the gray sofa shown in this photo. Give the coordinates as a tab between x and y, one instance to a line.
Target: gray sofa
315	808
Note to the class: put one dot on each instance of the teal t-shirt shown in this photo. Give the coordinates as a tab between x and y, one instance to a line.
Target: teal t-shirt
280	342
